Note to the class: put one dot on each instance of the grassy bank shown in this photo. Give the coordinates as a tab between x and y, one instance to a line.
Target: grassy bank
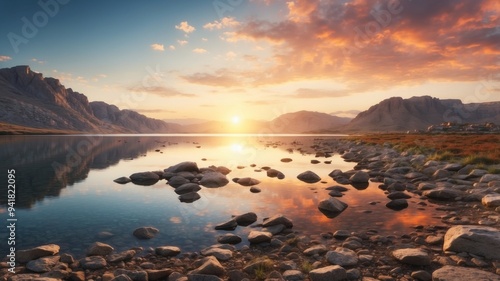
476	149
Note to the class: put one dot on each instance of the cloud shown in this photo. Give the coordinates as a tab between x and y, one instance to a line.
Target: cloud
160	91
221	78
199	51
307	93
171	47
378	44
184	26
5	58
182	42
231	55
158	47
223	23
38	61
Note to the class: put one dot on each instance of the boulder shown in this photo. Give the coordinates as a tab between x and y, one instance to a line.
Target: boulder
24	256
246	219
99	249
145	178
332	205
44	264
443	193
276	220
177	181
329	273
248	181
210	266
183	167
167	251
93	263
229	238
214	180
453	273
309	177
360	177
478	240
189	197
342	256
145	232
412	256
256	237
398	204
491	200
122	180
187	188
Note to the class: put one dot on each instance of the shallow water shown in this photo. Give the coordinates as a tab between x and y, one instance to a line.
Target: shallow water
66	194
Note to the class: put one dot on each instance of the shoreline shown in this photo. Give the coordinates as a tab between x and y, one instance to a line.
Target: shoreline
292	256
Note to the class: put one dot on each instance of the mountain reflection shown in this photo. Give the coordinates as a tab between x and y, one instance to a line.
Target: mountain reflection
46	164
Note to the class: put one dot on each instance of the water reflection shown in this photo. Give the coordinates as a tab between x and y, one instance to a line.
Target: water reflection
95	204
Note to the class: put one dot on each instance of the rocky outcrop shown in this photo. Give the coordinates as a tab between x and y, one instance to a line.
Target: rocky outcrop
478	240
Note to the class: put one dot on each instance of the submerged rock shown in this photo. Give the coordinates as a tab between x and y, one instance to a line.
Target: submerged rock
272	173
99	249
145	232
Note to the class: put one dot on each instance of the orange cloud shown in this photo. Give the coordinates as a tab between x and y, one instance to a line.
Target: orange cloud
184	26
158	47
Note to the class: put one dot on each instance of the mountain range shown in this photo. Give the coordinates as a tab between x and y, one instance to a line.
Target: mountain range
32	103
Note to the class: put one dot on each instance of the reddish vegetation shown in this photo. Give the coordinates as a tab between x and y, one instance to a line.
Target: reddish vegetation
470	148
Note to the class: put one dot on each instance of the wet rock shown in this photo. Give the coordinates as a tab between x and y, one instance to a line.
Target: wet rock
443	193
309	177
220	253
167	251
183	167
122	180
491	200
246	219
187	187
276	220
275	229
43	264
329	273
177	181
99	249
24	256
256	237
342	257
214	180
315	250
478	240
189	197
398	195
273	173
248	181
229	238
360	177
210	266
145	178
255	189
123	256
332	205
93	263
145	232
229	225
398	204
452	273
412	256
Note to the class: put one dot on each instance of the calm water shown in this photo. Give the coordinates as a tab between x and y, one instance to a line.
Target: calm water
66	194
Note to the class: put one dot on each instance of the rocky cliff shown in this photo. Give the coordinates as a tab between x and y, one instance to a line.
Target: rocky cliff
418	113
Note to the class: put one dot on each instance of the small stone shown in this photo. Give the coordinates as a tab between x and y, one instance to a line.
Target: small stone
255	189
203	277
398	204
122	180
341	234
332	207
210	266
360	177
189	197
123	256
167	251
412	256
246	219
309	177
161	274
329	273
278	219
248	181
93	263
145	232
229	238
286	160
43	264
342	257
145	178
293	275
315	250
187	188
229	225
219	253
256	237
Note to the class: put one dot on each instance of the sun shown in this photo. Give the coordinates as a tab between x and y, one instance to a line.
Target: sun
235	120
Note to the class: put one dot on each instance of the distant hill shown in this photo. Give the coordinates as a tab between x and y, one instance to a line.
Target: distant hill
418	113
306	121
29	100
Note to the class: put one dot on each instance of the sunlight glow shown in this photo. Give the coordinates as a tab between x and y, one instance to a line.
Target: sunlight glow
236	147
235	120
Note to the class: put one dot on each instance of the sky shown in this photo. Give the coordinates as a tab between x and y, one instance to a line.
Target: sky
257	59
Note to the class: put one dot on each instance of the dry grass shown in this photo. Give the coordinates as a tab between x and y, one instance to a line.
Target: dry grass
467	148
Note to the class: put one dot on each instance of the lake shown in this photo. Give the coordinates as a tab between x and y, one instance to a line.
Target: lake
65	192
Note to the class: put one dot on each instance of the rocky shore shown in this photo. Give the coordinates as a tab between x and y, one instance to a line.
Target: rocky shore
466	246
